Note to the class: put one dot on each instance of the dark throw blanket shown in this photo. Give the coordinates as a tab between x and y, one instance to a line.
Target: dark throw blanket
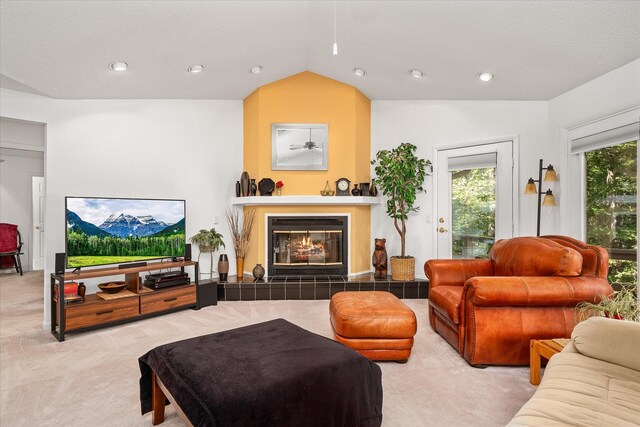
269	374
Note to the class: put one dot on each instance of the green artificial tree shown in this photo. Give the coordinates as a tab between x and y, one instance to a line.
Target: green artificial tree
400	175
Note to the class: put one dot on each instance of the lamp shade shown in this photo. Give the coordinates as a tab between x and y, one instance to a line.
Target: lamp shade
531	187
550	174
549	199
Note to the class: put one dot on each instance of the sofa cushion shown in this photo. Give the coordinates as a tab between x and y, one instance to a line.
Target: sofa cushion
610	340
579	390
447	300
534	256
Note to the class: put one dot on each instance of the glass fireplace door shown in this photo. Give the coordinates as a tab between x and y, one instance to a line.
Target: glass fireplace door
307	247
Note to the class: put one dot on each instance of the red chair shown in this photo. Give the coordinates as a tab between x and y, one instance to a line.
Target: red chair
10	247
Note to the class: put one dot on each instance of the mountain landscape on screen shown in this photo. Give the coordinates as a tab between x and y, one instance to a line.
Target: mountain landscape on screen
98	236
77	225
126	225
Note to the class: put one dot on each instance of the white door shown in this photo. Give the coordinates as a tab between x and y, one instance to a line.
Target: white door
474	199
37	192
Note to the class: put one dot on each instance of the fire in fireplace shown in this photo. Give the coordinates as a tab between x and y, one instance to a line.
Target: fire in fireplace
307	245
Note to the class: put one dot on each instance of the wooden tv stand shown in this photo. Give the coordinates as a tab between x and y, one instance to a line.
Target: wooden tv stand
141	302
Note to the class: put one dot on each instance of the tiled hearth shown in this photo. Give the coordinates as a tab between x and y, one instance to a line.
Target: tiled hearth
314	287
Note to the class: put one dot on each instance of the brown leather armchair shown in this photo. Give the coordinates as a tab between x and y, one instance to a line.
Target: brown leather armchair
489	309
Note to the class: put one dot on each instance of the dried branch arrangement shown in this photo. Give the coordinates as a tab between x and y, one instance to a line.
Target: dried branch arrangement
241	230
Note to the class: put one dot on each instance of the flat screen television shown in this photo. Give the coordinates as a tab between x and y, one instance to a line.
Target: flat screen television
103	231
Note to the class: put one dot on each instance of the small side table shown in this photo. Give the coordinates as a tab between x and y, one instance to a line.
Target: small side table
543	349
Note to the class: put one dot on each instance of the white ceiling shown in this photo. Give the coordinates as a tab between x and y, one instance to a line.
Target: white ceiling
536	49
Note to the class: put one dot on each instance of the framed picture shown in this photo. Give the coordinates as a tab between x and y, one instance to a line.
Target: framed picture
300	146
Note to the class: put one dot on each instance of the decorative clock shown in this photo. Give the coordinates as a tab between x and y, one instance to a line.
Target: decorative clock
342	187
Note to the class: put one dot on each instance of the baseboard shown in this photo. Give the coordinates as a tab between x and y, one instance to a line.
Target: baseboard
46	326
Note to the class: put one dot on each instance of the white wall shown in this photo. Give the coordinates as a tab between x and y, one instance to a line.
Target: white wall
16	171
616	91
430	124
182	149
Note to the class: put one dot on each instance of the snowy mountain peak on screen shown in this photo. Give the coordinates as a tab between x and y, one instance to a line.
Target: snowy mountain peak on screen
122	225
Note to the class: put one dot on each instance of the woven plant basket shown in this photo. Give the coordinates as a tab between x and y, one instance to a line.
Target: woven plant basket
403	269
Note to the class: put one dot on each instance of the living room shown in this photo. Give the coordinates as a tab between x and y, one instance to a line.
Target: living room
156	131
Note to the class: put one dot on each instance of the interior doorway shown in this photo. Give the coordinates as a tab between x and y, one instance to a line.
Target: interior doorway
22	147
475	199
37	215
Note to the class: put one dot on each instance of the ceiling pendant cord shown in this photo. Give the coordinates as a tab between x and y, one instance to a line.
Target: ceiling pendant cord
335	41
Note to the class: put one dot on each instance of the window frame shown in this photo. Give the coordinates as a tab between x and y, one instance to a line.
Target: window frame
597	132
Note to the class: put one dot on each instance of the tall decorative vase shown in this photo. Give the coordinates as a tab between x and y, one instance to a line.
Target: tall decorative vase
373	190
244	184
223	267
238	189
253	188
240	267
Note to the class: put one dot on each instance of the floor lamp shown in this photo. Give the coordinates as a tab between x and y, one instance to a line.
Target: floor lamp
549	199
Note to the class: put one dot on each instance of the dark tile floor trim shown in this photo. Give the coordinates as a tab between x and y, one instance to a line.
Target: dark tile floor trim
315	287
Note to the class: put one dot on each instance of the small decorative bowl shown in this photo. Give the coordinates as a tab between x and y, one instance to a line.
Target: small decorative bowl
112	287
327	192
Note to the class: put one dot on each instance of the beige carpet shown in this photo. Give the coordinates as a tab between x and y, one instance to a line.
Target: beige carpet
92	378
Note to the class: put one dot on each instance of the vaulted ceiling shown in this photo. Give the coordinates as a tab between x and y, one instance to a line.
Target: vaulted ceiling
536	49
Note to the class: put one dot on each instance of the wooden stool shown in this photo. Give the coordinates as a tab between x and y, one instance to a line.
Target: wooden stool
375	324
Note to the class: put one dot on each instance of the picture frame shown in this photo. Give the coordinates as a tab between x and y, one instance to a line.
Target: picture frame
299	146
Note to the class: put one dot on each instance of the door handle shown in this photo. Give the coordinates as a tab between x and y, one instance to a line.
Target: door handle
39	228
442	230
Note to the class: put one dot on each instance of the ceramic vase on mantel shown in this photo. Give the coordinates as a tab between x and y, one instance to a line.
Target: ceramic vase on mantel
245	182
240	268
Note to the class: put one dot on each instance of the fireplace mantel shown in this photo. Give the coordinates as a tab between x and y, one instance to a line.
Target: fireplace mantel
305	200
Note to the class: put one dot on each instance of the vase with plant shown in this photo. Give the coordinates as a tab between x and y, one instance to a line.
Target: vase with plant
241	235
400	176
208	241
621	304
279	186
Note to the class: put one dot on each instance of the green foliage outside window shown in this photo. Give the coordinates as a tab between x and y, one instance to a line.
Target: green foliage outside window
611	178
473	203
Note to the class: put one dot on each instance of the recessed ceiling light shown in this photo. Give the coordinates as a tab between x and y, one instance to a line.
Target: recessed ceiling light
119	66
196	68
416	73
255	70
484	76
360	72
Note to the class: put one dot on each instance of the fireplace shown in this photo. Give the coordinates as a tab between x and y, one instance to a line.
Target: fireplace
307	245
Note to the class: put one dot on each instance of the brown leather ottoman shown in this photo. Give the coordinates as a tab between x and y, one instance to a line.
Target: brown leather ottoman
375	324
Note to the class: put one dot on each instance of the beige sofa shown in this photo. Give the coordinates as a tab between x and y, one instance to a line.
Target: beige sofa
594	381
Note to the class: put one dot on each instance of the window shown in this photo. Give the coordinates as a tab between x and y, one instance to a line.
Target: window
473	212
611	207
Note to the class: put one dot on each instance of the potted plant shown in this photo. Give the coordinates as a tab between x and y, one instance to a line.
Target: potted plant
208	241
622	304
400	176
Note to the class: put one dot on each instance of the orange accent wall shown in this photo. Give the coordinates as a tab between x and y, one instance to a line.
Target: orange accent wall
311	98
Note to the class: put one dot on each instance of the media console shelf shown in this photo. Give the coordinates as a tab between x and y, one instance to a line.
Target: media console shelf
95	312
